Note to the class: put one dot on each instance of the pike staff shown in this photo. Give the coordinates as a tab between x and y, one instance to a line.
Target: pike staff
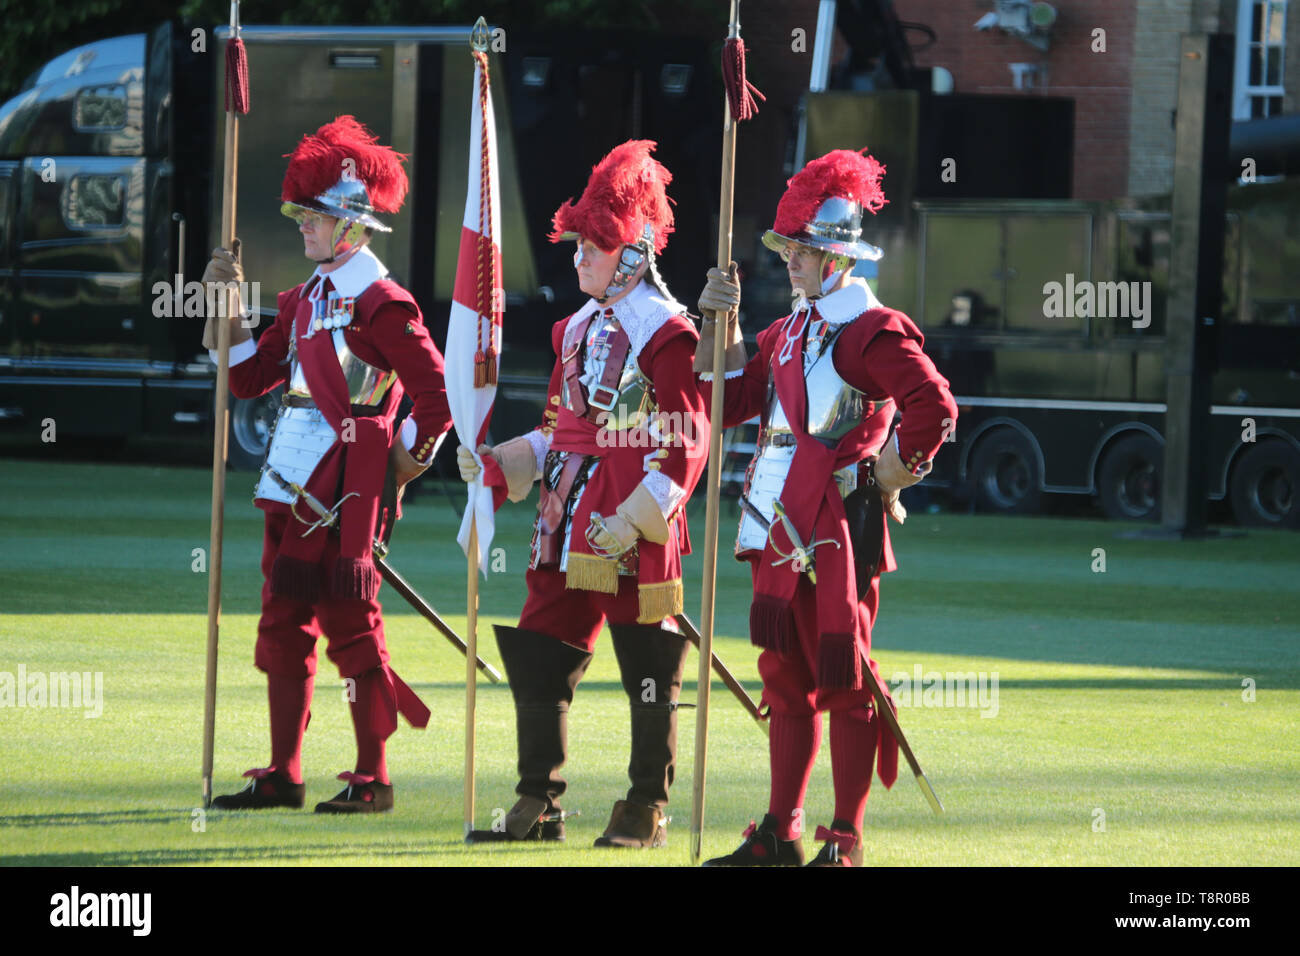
237	102
739	106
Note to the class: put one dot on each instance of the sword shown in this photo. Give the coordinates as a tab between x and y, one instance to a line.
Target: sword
719	668
882	704
379	551
802	558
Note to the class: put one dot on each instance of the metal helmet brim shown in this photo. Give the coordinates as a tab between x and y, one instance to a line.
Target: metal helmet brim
347	199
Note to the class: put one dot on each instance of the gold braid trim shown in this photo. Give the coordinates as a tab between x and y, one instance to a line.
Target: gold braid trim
658	601
590	573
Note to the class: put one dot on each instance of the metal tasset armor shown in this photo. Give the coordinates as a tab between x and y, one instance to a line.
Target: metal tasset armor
627	404
301	435
834	409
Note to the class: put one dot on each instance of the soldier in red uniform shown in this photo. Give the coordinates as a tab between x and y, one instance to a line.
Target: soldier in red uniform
828	380
622	444
349	342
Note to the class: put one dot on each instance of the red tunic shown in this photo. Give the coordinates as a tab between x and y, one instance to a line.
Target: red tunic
666	360
880	353
387	331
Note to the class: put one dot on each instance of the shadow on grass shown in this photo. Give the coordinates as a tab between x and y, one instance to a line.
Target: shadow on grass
231	855
93	818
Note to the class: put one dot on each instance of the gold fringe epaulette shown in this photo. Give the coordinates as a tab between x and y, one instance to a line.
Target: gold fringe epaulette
658	601
589	573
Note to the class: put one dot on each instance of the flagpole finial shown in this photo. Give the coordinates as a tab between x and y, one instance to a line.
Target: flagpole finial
479	36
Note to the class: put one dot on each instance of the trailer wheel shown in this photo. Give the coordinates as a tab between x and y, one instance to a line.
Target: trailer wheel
1264	486
1129	481
1005	473
251	420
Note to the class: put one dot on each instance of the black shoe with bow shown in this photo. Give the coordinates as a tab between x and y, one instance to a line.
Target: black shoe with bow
762	847
842	846
267	787
363	794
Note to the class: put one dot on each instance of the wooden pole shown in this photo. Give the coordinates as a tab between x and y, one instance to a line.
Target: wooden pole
471	670
220	433
713	499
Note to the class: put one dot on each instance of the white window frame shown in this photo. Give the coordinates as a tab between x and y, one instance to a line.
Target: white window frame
1243	92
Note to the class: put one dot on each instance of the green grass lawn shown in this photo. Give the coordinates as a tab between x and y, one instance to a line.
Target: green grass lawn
1122	733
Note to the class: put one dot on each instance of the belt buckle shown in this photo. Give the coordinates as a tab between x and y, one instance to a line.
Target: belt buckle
594	402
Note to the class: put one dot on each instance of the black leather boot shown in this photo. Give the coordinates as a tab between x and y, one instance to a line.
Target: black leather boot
650	661
543	674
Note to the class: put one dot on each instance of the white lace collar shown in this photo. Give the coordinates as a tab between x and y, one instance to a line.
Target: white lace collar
846	304
641	313
353	277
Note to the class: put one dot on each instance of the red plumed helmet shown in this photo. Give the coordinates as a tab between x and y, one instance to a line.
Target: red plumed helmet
342	170
823	203
626	193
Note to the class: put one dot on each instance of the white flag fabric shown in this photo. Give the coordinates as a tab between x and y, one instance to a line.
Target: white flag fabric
474	329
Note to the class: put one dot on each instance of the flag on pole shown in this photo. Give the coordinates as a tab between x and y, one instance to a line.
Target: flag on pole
474	329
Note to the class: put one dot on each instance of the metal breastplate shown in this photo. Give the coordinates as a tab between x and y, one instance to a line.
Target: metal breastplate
834	409
367	385
301	435
631	401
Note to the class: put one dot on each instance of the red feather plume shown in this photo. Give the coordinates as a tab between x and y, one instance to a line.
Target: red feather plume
841	172
318	163
627	189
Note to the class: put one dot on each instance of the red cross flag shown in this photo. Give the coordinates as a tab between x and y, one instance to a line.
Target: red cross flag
474	330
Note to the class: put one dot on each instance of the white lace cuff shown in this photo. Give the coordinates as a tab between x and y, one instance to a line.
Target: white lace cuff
666	492
734	373
541	444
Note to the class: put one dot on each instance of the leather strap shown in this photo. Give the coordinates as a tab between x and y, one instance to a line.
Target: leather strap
619	346
607	389
550	523
572	366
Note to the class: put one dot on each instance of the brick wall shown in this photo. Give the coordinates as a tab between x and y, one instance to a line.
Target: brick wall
1100	83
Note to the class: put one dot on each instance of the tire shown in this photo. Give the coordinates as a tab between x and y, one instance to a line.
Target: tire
1264	486
251	420
1005	475
1130	479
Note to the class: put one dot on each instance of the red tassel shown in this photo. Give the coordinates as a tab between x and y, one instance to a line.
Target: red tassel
839	665
740	92
355	578
771	625
296	579
237	97
480	369
491	365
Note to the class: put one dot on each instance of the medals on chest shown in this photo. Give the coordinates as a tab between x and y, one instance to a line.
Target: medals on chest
332	312
598	344
816	339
